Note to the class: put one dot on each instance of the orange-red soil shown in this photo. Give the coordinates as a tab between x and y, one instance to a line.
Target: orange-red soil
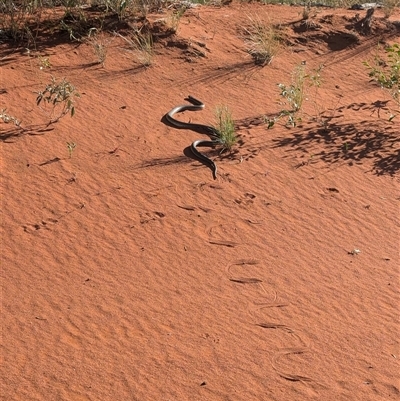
128	273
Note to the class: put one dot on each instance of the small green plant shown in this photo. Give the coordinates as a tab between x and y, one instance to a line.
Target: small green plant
8	118
71	146
386	72
44	62
225	127
61	95
262	41
294	94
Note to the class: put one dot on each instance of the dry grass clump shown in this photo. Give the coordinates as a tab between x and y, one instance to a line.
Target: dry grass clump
263	41
174	16
99	42
389	6
141	44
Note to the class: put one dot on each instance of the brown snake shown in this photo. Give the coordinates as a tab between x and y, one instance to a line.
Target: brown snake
196	105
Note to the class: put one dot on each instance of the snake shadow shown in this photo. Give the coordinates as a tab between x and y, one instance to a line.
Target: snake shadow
188	153
185	158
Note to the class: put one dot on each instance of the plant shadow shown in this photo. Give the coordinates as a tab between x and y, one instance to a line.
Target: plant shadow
352	142
15	132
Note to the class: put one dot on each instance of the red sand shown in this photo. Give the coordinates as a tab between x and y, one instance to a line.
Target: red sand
129	274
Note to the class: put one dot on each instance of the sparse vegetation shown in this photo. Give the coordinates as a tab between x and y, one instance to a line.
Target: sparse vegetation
385	70
329	3
61	96
22	19
225	127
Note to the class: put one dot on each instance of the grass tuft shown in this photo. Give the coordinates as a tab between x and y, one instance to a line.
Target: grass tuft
141	43
174	17
225	127
262	41
99	43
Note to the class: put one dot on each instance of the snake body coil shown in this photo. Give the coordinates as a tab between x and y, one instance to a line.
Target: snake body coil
196	105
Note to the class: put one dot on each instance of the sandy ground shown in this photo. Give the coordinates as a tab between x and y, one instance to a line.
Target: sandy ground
128	273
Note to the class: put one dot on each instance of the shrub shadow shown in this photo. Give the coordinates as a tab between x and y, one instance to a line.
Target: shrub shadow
353	142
